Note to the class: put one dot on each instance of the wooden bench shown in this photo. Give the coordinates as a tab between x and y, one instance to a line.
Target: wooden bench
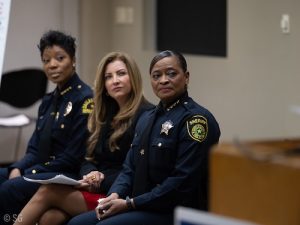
257	181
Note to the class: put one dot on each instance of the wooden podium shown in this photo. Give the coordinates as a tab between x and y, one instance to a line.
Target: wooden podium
257	181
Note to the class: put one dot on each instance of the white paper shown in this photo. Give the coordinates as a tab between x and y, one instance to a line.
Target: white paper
18	120
58	179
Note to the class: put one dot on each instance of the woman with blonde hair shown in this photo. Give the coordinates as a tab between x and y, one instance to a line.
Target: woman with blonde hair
118	102
167	163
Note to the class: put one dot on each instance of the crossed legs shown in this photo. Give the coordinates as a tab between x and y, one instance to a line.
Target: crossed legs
52	204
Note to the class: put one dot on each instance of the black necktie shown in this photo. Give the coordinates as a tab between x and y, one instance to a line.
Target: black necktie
140	183
45	134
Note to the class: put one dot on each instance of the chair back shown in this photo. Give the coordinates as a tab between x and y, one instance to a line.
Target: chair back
22	88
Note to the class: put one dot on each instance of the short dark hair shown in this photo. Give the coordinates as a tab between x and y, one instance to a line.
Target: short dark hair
53	37
168	53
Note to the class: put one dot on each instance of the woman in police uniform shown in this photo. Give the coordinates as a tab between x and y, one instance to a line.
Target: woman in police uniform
167	163
58	142
119	101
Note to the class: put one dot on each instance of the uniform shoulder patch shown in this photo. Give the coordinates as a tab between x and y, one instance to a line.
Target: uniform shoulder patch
88	106
197	127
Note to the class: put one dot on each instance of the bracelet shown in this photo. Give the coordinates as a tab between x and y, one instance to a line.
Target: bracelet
129	203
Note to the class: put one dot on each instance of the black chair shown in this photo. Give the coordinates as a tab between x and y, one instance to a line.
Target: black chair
21	89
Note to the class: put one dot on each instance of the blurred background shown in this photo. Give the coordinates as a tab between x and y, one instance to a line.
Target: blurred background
253	90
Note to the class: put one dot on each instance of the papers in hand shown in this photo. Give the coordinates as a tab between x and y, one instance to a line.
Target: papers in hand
58	179
18	120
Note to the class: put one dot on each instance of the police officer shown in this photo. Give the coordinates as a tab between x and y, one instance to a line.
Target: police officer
58	142
167	163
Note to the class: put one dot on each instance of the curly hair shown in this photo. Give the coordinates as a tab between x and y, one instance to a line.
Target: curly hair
53	37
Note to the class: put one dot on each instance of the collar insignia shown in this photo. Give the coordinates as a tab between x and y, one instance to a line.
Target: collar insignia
166	126
173	105
66	90
68	108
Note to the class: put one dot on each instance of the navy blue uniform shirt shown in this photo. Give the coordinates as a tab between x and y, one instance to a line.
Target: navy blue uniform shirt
68	133
177	157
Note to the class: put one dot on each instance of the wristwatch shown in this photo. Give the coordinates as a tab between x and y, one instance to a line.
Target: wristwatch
129	203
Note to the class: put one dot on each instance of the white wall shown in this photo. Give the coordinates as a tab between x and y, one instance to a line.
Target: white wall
251	91
95	35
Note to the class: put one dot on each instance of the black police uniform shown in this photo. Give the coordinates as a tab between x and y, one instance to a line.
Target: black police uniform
168	167
68	144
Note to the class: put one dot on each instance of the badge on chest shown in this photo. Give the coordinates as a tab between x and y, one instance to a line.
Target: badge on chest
166	127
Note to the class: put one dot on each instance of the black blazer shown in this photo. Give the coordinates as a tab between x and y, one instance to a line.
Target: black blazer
107	162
